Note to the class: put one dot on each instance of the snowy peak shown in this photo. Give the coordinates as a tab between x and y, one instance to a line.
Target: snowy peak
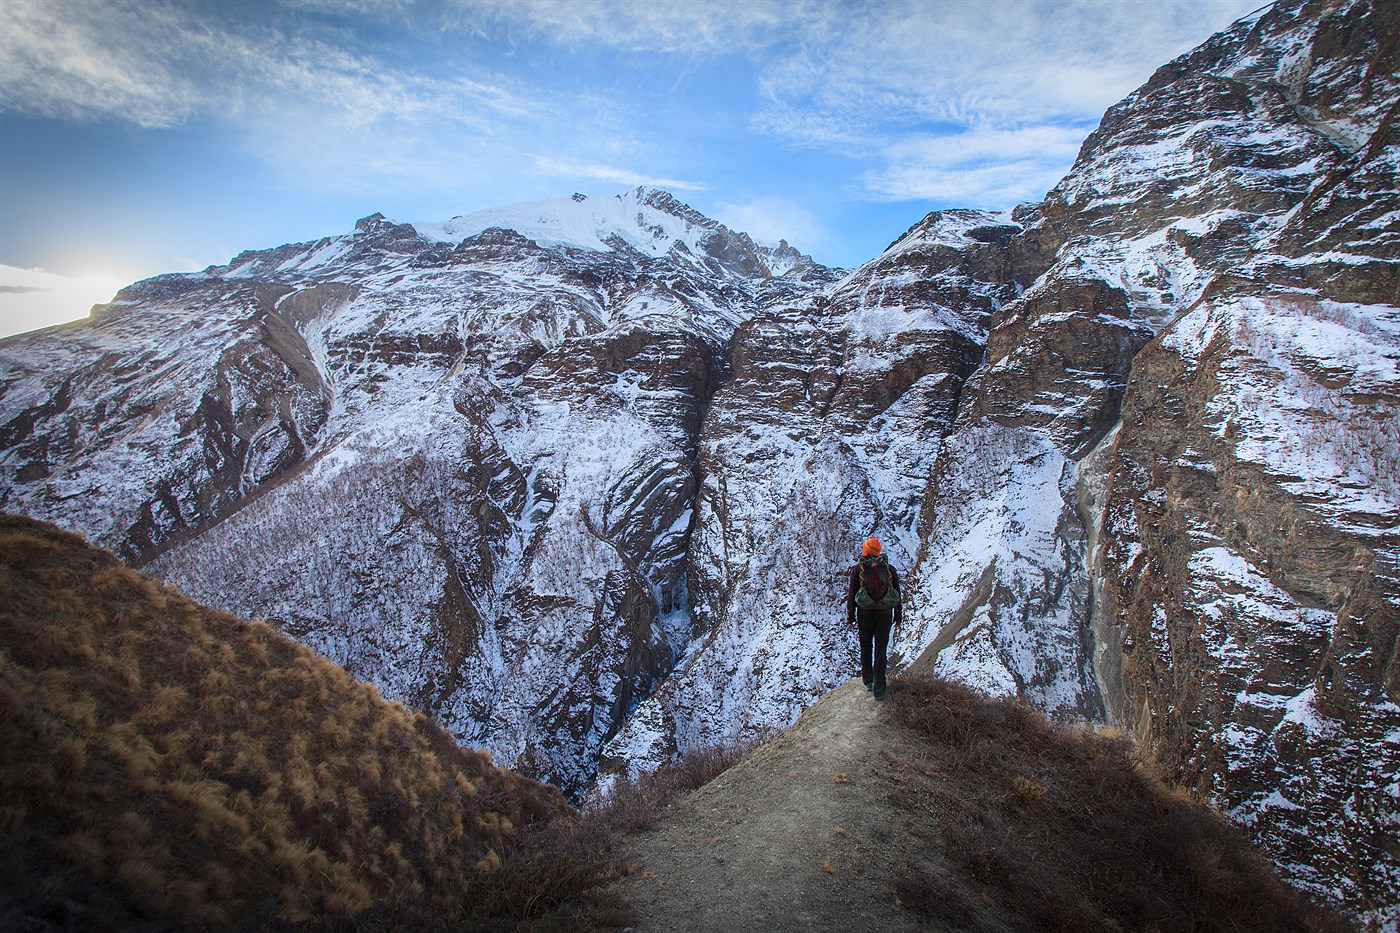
647	220
957	229
646	223
637	218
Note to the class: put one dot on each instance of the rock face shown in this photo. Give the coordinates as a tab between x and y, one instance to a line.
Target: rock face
582	478
1247	506
825	433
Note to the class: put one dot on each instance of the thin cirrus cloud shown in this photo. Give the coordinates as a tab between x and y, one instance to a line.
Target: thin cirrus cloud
772	219
979	167
880	83
851	108
316	113
156	65
700	29
980	104
612	174
958	101
86	61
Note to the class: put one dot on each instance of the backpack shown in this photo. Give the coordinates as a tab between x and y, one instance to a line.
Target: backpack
877	589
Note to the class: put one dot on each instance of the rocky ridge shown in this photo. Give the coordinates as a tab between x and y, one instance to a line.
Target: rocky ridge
583	481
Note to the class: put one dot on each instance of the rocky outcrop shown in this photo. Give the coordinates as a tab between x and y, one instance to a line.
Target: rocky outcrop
1057	361
1258	625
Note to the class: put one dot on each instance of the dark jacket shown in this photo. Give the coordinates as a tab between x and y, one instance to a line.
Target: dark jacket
852	610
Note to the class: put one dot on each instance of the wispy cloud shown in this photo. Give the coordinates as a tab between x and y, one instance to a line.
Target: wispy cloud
695	28
1010	83
979	167
612	175
154	64
937	93
771	219
95	61
309	101
320	107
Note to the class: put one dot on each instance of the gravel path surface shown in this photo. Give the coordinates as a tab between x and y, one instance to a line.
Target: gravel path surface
800	836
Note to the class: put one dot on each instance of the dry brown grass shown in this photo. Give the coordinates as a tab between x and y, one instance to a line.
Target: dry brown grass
635	805
1069	830
566	867
162	763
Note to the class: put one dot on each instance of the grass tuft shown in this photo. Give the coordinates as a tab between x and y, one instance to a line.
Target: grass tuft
1077	833
165	765
1028	790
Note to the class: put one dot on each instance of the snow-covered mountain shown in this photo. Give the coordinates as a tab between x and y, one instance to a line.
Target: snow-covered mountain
464	470
581	477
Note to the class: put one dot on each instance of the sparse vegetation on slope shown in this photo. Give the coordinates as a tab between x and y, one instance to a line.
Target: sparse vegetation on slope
1069	830
944	810
165	764
573	859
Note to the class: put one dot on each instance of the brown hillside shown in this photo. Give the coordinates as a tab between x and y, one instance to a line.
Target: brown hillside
943	810
165	764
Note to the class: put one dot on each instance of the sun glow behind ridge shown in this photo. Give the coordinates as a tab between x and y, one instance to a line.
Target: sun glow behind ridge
32	298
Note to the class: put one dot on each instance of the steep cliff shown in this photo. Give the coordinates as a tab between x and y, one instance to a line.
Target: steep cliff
1249	506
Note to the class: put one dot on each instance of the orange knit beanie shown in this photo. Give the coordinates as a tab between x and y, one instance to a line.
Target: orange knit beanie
871	548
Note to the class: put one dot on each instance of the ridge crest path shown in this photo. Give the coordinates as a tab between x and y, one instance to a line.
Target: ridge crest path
801	835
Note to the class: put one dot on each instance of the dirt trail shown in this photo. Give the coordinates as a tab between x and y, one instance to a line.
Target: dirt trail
800	836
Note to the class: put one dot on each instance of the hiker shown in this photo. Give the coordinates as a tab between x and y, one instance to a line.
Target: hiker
873	605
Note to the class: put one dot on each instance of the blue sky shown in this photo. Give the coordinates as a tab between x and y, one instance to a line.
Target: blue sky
146	137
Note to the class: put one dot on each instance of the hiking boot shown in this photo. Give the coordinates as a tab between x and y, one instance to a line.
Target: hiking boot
884	693
868	685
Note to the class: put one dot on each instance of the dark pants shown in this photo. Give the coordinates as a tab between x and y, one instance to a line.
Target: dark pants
874	639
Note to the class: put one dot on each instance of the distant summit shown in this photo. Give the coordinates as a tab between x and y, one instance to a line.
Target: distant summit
651	221
646	221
